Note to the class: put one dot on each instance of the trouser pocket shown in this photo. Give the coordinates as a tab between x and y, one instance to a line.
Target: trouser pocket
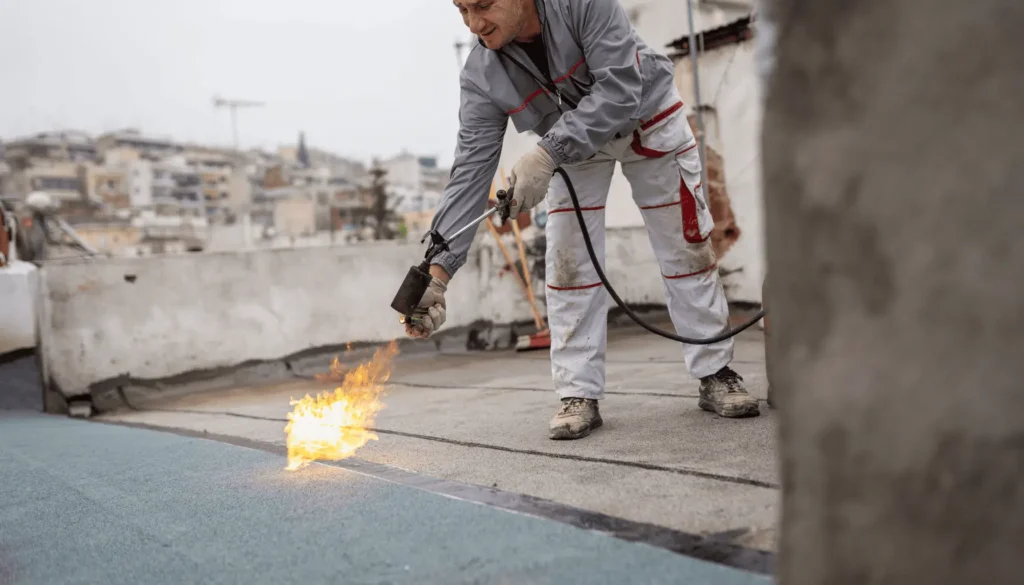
696	212
665	133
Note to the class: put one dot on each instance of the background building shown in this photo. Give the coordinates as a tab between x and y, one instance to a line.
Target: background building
134	194
415	181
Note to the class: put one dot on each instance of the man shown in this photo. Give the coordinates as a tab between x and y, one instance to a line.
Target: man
577	74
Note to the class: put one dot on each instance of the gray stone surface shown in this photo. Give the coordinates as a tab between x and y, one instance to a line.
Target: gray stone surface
482	418
91	503
893	165
20	383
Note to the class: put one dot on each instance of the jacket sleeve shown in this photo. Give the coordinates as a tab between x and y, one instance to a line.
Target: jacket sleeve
610	50
478	148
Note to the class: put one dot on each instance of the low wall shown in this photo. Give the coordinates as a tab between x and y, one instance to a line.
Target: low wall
159	317
17	307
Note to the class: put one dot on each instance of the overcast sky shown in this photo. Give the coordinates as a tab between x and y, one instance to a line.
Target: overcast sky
362	78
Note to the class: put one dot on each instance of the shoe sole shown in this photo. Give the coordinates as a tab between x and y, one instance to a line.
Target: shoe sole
563	433
751	410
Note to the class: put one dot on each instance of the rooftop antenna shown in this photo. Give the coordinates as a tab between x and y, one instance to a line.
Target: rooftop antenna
233	105
459	46
701	133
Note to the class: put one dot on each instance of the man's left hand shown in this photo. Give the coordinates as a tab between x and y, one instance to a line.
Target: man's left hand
530	179
430	313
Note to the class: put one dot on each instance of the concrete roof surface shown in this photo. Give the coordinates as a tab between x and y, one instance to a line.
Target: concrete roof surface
96	503
469	418
481	418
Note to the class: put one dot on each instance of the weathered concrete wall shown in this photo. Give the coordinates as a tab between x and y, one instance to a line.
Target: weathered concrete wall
893	167
17	307
152	318
159	317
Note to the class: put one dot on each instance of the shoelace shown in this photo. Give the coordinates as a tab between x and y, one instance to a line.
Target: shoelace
572	406
731	380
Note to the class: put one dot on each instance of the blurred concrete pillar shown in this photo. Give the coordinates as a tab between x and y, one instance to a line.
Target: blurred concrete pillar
894	169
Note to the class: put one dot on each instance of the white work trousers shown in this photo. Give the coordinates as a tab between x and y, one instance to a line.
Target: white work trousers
662	164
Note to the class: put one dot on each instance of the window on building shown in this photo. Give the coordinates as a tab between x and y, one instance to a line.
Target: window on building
57	184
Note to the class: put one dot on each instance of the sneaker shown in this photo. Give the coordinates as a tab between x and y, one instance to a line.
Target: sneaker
723	393
576	418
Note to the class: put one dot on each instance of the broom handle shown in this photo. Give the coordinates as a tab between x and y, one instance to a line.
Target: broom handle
522	259
519	278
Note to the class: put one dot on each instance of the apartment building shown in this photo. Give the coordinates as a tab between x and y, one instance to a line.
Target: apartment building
55	162
68	146
417	181
169	187
131	143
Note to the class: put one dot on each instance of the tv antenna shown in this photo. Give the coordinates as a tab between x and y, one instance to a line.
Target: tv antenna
233	105
459	46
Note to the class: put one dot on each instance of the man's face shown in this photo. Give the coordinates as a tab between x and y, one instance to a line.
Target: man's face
496	22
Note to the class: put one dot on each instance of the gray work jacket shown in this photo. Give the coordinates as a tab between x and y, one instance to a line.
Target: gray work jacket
606	82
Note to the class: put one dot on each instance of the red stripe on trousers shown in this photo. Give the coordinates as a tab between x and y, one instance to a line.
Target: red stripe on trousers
661	116
638	146
642	150
585	287
673	204
660	206
699	272
687	149
691	227
568	209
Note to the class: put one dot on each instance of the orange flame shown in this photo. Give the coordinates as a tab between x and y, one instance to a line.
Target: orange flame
333	425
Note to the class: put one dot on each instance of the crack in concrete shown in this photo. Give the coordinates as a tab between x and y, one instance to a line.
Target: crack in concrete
546	391
471	444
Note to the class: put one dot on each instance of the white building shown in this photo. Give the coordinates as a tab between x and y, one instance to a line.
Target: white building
340	167
417	180
169	187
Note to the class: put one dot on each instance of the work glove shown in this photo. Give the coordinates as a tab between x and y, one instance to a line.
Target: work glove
430	313
531	176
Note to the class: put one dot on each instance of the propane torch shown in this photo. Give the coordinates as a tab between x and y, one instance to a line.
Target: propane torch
418	278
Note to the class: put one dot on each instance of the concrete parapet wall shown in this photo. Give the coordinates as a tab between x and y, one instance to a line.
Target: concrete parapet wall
159	317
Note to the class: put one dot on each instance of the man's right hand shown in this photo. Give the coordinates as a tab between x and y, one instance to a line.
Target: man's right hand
431	312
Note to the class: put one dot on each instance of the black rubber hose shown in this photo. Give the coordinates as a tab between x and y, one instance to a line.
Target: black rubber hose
607	285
